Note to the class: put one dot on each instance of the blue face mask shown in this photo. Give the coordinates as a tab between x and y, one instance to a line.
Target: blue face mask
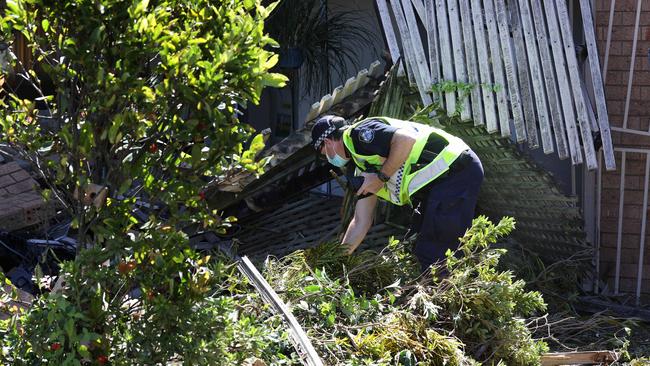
336	160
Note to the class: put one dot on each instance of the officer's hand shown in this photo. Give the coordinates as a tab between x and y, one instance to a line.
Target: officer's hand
371	184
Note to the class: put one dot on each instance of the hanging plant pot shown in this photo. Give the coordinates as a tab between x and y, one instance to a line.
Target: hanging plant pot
291	58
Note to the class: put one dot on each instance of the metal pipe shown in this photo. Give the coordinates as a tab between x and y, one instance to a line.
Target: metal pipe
632	60
609	39
619	231
644	215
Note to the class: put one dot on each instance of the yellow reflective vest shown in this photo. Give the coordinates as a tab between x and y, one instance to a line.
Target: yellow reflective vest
404	183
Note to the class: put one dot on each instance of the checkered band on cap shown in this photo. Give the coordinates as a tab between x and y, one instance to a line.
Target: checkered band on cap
323	136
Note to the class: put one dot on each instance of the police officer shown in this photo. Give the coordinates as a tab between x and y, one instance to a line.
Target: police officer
406	163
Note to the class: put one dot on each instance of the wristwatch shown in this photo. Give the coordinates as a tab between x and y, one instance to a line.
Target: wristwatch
383	177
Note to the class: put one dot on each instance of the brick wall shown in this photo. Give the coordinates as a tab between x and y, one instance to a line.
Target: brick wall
617	76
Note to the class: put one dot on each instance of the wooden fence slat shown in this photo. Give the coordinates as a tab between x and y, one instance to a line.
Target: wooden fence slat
563	82
459	57
536	76
445	54
497	68
423	78
419	8
549	79
511	76
389	32
524	78
410	50
472	65
574	75
432	38
484	67
597	82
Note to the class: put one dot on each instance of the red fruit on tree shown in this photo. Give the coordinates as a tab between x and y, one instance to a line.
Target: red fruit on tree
55	346
153	148
202	196
101	359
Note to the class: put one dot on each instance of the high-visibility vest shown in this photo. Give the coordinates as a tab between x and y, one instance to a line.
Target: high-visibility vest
404	182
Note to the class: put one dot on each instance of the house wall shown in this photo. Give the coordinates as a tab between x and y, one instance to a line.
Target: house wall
624	232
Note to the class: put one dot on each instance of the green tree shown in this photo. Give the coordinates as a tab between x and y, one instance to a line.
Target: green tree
146	100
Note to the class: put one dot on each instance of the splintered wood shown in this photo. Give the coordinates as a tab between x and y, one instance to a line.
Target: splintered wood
520	58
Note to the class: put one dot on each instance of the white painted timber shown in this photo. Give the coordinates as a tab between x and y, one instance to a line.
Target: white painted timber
524	77
459	57
472	64
484	67
511	76
412	46
559	60
421	62
446	57
419	8
497	68
574	76
432	41
389	32
537	77
549	80
597	82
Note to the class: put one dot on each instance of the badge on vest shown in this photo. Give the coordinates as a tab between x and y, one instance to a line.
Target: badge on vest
366	135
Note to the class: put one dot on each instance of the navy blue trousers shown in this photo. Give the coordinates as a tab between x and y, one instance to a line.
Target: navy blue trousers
446	209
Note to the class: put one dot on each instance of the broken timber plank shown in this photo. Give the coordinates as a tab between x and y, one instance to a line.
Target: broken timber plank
574	75
549	78
524	77
412	46
409	58
484	68
597	82
472	65
419	8
445	55
389	32
432	41
459	57
511	76
563	82
303	344
536	76
497	68
423	76
579	358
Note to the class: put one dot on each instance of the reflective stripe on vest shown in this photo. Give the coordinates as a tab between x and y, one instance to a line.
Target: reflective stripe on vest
404	183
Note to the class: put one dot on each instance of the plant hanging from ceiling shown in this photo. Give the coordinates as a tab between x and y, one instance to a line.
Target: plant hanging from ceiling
326	43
